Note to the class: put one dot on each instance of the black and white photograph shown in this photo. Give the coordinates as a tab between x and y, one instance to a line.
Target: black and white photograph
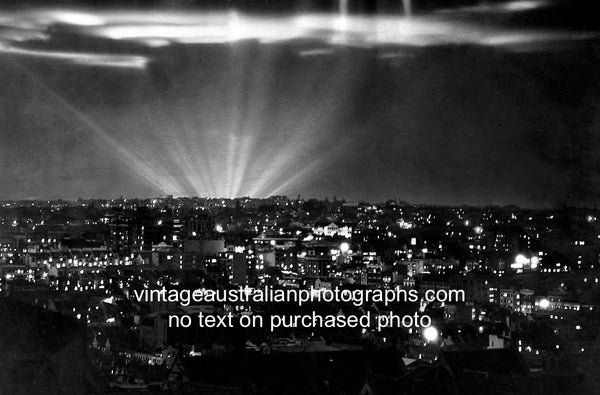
328	197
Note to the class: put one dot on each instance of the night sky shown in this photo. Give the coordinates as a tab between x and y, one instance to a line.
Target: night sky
480	103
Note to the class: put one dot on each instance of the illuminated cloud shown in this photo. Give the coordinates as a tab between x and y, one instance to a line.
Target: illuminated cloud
514	6
315	52
154	29
79	58
72	18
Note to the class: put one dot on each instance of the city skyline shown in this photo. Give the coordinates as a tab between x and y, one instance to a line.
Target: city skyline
113	284
332	199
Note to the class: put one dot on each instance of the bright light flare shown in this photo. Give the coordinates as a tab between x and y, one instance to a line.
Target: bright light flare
431	334
344	247
535	261
521	259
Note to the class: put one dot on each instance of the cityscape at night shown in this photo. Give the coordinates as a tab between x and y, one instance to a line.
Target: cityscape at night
300	197
530	279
